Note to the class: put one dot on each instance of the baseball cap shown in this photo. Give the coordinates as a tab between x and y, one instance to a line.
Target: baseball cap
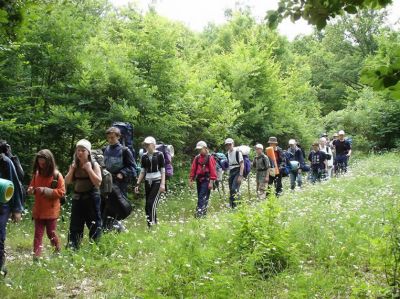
229	141
200	145
149	140
259	146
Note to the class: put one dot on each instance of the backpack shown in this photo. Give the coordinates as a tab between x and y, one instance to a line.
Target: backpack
126	135
245	150
106	177
168	152
222	161
54	185
116	205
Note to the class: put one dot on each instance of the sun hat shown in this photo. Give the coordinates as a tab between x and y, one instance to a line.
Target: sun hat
273	140
200	145
149	140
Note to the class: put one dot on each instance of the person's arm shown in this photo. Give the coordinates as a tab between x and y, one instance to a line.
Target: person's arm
349	151
15	202
69	178
94	173
192	174
212	164
128	169
161	166
57	192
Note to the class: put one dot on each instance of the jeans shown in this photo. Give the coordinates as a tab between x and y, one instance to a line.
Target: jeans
203	195
50	225
295	176
234	187
4	215
316	175
85	210
341	159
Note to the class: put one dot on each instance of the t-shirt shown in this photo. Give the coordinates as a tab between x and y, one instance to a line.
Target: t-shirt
235	157
342	147
317	160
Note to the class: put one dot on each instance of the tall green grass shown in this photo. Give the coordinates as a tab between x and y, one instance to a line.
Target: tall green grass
331	240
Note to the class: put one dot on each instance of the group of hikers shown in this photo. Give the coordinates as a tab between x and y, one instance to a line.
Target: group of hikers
98	177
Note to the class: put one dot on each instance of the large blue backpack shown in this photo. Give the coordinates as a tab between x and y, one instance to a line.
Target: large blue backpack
222	161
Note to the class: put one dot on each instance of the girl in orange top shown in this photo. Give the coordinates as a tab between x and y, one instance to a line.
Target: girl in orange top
48	187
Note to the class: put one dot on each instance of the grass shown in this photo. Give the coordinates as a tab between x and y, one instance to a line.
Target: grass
330	240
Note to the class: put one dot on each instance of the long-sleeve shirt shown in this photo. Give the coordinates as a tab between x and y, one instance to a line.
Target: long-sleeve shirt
47	204
202	169
297	155
119	160
8	172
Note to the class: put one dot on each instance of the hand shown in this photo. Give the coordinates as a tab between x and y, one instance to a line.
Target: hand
137	189
266	180
210	185
239	179
16	217
299	171
348	155
30	190
87	166
191	184
72	167
39	190
120	176
162	188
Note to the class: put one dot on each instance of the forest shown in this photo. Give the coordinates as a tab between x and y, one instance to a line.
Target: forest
71	68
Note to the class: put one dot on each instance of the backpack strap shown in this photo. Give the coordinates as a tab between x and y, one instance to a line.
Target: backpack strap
237	157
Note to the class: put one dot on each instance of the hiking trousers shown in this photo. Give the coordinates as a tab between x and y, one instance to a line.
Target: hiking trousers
4	215
234	187
153	195
203	196
86	209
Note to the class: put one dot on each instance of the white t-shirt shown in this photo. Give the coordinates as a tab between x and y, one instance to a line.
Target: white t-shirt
327	150
233	163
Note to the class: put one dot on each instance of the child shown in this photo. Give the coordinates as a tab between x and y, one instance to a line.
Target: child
48	187
204	172
318	162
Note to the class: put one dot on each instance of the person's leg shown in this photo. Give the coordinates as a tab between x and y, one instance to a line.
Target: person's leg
235	189
278	184
299	179
77	223
152	198
292	176
51	227
313	176
38	237
4	215
93	216
203	194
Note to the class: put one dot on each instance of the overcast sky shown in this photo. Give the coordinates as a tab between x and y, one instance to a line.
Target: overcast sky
198	13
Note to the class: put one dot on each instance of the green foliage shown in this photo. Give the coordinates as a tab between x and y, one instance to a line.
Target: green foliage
318	13
372	119
382	70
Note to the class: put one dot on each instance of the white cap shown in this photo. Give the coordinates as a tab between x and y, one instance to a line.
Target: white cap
85	144
341	132
229	141
259	146
292	142
149	140
201	144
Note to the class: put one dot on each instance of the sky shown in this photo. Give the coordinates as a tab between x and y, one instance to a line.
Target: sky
196	14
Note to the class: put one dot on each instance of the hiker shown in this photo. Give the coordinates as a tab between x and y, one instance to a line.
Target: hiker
119	161
204	172
47	185
278	157
297	162
317	157
153	173
324	147
262	165
236	169
85	174
5	149
13	207
342	150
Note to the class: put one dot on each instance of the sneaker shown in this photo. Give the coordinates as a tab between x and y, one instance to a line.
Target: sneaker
3	272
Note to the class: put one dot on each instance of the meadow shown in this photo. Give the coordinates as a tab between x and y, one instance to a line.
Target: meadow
337	239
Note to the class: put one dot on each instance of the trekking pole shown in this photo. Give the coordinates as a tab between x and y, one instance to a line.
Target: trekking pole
248	186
